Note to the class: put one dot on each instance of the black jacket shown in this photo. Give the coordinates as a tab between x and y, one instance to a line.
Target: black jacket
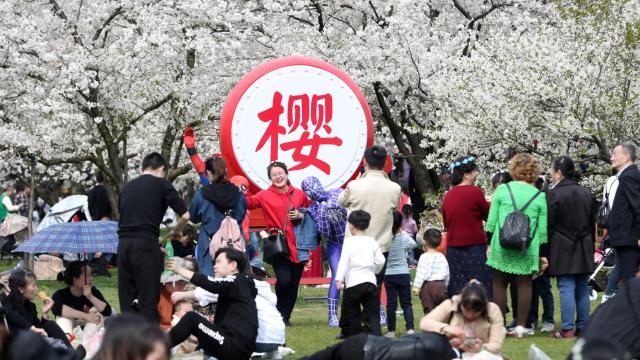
571	227
618	319
624	219
22	316
236	310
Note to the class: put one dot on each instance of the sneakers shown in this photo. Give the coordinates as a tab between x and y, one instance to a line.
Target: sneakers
606	297
547	327
411	332
390	335
563	334
511	331
520	332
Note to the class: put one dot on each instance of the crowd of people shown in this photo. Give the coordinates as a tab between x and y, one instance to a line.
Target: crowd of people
210	298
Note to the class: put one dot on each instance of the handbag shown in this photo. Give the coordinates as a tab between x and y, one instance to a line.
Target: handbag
602	217
275	245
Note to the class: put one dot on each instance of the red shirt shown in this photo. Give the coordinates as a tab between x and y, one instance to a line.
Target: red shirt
274	207
463	210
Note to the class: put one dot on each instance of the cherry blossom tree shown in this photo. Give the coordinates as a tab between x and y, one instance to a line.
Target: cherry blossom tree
95	85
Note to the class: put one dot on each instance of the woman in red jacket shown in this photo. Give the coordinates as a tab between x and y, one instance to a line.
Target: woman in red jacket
274	201
464	207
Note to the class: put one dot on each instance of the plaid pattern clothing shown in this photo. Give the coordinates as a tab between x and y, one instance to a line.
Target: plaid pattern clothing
330	217
22	199
75	238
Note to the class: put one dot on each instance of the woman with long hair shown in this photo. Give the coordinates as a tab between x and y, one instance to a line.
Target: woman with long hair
280	203
464	208
21	311
209	206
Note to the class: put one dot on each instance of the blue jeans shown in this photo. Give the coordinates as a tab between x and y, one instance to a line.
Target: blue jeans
398	286
256	260
574	298
614	278
541	288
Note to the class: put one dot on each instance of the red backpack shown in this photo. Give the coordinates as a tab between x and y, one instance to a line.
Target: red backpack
228	235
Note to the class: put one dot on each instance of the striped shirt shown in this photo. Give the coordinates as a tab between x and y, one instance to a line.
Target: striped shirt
431	267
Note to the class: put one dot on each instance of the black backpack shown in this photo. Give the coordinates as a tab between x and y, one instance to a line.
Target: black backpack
514	234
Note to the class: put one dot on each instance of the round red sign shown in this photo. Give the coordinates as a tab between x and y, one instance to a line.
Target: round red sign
300	111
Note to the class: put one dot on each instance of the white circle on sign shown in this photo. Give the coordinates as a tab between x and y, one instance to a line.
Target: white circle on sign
329	148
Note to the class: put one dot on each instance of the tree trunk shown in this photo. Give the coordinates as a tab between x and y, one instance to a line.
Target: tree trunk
426	180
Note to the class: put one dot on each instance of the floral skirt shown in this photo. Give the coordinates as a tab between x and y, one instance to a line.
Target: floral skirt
466	263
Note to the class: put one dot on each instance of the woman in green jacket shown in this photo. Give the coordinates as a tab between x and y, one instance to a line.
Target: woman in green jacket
507	263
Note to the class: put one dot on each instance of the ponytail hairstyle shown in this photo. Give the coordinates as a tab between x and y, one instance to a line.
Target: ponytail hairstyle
461	166
407	210
565	165
73	270
474	298
218	168
397	222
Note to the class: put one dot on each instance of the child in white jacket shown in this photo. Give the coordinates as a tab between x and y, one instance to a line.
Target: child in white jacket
360	261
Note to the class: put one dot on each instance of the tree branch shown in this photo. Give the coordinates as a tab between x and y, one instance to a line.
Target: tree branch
304	21
115	13
318	8
59	13
145	111
462	10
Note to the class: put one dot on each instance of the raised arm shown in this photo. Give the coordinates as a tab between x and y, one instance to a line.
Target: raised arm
189	139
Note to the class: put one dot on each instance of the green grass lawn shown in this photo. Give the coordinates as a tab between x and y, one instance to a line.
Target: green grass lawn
310	332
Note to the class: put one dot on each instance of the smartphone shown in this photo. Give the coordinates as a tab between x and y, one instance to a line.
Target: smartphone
470	340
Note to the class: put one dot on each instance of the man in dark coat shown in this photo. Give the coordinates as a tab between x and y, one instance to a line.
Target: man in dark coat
624	220
618	320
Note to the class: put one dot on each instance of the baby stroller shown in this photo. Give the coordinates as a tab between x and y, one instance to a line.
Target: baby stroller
605	261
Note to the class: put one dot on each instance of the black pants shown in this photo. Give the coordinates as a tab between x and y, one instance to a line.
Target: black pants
367	296
288	276
140	264
344	322
54	331
398	286
628	257
214	340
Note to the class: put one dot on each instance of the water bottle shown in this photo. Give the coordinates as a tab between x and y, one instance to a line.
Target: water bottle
169	247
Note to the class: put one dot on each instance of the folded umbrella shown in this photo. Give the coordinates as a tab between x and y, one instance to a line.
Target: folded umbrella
12	224
75	237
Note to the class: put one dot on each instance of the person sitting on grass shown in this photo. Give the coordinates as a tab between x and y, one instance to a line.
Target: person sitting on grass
184	244
432	273
232	335
22	314
360	261
271	329
80	303
470	321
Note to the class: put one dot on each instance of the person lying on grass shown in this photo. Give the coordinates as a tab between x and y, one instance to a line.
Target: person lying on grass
232	335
